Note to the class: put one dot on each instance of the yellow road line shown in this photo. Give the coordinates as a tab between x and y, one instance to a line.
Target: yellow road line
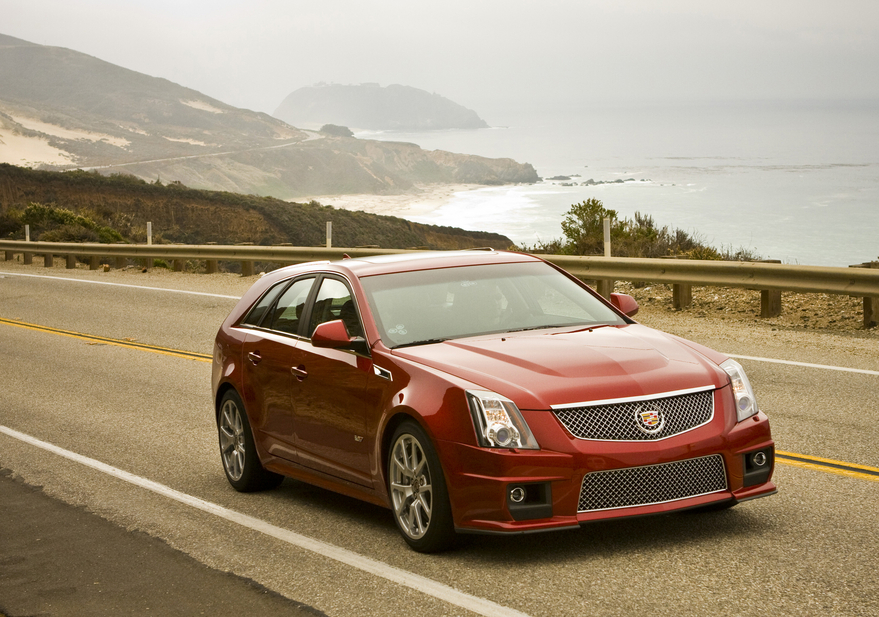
815	463
828	465
91	338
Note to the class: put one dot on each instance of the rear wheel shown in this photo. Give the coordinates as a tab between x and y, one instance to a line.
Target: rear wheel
418	491
237	450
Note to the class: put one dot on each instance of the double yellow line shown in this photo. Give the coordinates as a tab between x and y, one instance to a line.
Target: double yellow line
102	340
804	461
827	465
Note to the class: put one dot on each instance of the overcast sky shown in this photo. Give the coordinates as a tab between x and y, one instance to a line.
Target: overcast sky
485	54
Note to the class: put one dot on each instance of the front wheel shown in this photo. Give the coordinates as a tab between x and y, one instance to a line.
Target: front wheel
418	491
237	450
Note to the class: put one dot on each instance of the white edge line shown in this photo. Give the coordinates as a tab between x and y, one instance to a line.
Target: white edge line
75	280
807	365
427	586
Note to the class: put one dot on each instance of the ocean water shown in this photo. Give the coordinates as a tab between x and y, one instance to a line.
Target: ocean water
795	181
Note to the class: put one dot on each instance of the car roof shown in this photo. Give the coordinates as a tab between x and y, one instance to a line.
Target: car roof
429	260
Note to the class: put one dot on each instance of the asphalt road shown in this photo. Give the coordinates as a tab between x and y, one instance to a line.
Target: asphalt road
813	549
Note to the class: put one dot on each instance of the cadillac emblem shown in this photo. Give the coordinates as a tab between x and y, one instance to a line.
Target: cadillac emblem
649	419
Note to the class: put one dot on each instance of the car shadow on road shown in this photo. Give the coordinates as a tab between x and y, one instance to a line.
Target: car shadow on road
319	509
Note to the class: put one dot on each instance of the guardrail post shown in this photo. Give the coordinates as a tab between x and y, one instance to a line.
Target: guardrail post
178	265
246	268
605	287
681	295
94	262
71	261
770	303
871	303
212	266
770	299
121	262
48	260
28	258
8	255
871	312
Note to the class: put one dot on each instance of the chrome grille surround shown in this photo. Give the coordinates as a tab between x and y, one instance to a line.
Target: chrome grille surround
652	484
617	419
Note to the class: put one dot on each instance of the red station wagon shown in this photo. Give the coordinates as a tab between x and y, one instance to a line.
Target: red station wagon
478	391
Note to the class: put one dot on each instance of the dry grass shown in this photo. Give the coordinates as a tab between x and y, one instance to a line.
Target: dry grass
800	311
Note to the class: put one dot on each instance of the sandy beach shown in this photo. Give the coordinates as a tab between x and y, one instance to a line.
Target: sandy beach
422	200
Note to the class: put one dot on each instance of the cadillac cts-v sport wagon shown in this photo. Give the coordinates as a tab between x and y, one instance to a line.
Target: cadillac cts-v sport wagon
478	391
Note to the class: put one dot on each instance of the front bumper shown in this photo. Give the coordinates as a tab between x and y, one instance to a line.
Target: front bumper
481	480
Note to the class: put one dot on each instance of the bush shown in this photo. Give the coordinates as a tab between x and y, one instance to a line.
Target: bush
583	229
52	224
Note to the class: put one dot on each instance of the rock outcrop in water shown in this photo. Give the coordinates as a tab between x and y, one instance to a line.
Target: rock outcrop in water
369	106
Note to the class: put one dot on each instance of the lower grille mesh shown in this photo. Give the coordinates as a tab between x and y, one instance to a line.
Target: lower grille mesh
640	486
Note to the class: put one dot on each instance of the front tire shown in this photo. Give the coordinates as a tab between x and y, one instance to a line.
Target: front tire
417	488
238	451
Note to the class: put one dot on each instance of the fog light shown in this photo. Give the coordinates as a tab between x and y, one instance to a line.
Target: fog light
759	459
517	494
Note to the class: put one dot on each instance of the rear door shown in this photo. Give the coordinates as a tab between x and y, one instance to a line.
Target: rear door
268	358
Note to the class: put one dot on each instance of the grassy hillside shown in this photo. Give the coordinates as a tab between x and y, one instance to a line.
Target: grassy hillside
123	205
60	106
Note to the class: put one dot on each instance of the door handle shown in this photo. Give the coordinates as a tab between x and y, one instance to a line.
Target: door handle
254	357
299	372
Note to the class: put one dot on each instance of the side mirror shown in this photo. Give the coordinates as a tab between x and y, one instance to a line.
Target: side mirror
624	303
334	335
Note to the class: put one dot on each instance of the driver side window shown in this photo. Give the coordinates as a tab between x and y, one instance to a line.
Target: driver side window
333	302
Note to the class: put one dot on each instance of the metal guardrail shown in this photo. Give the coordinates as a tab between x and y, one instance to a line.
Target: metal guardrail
861	281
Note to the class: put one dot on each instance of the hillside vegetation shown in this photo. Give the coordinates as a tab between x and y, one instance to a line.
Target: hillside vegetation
80	206
583	231
370	106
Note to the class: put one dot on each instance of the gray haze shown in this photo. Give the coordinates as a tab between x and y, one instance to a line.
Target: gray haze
491	56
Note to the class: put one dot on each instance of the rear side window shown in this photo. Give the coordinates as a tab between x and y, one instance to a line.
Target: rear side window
256	314
288	311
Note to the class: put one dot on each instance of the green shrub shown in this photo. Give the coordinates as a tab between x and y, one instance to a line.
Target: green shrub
583	229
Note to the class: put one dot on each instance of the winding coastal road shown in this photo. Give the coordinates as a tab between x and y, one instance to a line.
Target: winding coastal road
105	404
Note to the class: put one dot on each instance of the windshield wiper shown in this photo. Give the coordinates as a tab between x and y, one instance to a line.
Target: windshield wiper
532	328
428	341
592	327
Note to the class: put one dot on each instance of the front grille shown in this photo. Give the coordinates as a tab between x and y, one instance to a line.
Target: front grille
641	486
620	421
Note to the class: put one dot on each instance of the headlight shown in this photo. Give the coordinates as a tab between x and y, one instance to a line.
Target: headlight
498	422
746	402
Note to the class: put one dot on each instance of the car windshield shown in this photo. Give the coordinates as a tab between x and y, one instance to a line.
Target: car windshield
428	306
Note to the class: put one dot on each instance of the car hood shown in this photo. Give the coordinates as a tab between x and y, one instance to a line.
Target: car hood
539	369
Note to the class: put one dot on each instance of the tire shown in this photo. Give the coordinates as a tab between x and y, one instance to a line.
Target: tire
237	450
417	488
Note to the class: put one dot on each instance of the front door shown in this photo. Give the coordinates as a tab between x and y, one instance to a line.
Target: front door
330	405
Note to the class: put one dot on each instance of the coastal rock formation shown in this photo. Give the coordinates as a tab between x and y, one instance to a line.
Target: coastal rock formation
369	106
